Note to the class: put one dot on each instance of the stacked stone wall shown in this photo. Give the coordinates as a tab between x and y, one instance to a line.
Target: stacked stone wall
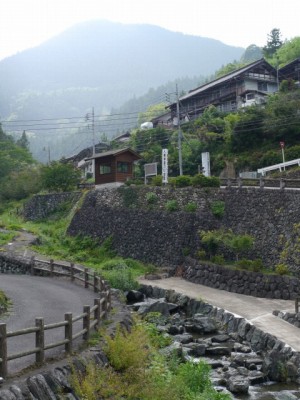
243	282
150	233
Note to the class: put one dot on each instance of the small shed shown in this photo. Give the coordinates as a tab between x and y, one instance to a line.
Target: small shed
115	166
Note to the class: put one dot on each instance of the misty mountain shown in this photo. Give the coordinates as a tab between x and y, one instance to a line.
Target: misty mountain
102	64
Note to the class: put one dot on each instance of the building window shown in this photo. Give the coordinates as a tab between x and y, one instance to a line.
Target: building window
262	86
122	167
105	169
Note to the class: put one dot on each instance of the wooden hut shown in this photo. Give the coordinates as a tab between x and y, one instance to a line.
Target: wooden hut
115	166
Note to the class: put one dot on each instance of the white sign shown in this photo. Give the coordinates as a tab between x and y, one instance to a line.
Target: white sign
206	163
164	164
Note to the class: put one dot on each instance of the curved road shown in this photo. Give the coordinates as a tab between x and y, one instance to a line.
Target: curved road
256	310
33	297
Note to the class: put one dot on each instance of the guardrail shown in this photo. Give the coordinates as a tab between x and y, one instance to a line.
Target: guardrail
91	316
262	183
280	166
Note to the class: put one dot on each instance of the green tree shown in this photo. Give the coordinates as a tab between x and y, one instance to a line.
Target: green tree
152	112
274	42
252	53
23	141
59	177
281	120
289	51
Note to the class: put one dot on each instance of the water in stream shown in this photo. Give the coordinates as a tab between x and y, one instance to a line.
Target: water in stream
272	391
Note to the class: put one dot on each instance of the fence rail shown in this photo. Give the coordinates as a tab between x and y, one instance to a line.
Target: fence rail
262	183
91	317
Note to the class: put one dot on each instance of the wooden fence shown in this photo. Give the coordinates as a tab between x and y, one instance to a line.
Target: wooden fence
91	316
262	183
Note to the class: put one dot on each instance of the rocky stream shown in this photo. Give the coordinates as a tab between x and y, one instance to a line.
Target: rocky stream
236	368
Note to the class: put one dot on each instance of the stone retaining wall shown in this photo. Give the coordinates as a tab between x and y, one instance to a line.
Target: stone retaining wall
41	206
244	282
150	233
12	264
281	363
291	318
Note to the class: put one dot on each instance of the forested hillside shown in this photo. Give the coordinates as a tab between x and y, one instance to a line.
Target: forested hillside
96	64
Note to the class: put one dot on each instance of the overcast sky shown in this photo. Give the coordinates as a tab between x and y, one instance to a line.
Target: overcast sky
27	23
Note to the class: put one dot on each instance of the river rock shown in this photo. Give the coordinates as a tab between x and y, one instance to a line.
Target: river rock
195	349
160	306
134	296
184	338
238	384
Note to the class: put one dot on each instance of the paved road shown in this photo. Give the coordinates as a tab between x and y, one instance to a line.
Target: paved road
256	310
35	297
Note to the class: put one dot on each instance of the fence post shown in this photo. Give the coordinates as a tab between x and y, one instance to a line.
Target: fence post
32	265
86	322
261	183
296	306
97	312
40	341
86	278
69	333
72	271
3	351
95	282
104	303
51	268
108	298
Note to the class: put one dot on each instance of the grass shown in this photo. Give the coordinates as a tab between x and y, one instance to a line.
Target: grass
137	370
6	237
56	244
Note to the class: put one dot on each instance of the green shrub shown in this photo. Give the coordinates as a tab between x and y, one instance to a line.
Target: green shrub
130	196
181	181
257	265
190	207
121	279
218	208
151	198
244	264
156	180
282	269
186	251
3	300
135	181
172	205
218	259
205	181
201	255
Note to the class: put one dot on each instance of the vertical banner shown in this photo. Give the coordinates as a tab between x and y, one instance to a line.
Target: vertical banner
206	163
164	164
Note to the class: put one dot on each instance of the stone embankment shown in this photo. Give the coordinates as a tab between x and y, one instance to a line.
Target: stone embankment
280	362
147	231
244	282
152	234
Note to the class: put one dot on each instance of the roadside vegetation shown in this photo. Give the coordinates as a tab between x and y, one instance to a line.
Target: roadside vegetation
55	243
138	369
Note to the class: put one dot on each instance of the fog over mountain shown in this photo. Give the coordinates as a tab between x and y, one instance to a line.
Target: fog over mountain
102	64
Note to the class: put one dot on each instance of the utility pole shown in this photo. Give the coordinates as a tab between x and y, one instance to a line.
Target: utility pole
93	128
179	134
